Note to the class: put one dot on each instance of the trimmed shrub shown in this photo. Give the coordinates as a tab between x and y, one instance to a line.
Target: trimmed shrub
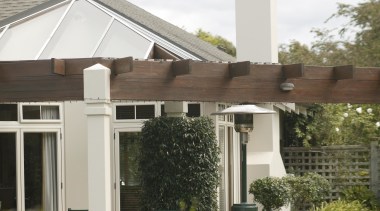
179	164
308	190
271	192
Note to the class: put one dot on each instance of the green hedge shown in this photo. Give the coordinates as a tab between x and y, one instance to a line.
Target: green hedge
179	164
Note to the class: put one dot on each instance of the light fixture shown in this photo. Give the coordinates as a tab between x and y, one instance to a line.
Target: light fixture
287	86
243	116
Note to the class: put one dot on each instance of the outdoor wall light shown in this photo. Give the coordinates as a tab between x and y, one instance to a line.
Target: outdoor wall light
287	86
243	116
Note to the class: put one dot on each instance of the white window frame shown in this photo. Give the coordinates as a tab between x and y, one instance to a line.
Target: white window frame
114	105
39	126
40	121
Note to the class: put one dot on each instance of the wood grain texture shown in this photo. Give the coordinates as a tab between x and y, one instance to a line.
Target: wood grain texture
205	81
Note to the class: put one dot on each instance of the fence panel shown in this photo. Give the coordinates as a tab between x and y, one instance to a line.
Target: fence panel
343	166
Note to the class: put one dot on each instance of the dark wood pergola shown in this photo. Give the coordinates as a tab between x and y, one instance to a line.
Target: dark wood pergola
188	80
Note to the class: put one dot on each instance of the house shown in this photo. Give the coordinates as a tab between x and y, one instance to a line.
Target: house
69	153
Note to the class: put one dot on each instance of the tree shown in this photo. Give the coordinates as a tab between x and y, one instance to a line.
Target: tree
363	49
179	164
218	41
358	44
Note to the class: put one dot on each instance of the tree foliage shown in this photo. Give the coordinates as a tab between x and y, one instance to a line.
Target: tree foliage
358	43
179	164
335	124
218	41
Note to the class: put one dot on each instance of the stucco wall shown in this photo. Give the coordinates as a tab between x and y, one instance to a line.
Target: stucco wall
76	166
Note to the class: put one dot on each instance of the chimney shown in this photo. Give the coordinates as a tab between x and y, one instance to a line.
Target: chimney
256	32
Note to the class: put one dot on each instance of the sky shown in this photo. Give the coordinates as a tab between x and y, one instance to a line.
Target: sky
296	18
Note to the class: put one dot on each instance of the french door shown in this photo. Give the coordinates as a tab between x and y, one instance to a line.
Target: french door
127	177
30	170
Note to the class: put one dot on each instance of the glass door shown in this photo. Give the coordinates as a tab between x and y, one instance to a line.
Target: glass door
40	171
127	152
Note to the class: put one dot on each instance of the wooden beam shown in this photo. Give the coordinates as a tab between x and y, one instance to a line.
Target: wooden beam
239	69
23	81
122	65
182	67
58	66
293	70
344	72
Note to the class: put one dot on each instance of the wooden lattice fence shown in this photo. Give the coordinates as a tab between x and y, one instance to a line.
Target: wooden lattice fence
343	166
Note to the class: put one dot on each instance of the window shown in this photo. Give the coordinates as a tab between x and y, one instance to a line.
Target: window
194	110
29	170
40	112
8	112
130	112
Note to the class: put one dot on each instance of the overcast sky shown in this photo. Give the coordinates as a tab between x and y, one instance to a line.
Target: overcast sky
295	17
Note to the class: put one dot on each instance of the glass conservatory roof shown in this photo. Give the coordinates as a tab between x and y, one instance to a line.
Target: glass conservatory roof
78	29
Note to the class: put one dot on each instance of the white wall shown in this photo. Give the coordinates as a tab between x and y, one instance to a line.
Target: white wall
76	166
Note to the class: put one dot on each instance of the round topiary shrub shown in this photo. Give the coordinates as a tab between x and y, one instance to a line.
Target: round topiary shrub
308	190
271	192
179	164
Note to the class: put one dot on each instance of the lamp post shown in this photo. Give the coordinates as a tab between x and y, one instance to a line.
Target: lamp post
243	116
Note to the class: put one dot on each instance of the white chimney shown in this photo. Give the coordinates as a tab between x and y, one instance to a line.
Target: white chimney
256	41
256	30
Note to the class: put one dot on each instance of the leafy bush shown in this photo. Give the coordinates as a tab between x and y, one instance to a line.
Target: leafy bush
310	189
342	205
179	164
361	194
271	192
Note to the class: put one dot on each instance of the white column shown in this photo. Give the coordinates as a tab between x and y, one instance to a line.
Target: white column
98	111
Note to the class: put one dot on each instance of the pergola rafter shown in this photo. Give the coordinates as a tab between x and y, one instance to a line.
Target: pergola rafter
188	80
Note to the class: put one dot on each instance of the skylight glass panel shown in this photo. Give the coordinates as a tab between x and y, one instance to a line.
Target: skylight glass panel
121	41
79	32
25	39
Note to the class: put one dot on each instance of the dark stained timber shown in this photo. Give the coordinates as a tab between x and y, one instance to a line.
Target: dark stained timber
198	81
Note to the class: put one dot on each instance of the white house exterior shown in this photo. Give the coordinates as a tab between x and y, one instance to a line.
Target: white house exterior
81	144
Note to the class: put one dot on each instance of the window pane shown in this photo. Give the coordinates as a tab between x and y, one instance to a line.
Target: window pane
221	117
31	112
49	112
8	186
125	112
8	112
40	171
144	111
194	110
25	40
120	41
129	150
79	32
